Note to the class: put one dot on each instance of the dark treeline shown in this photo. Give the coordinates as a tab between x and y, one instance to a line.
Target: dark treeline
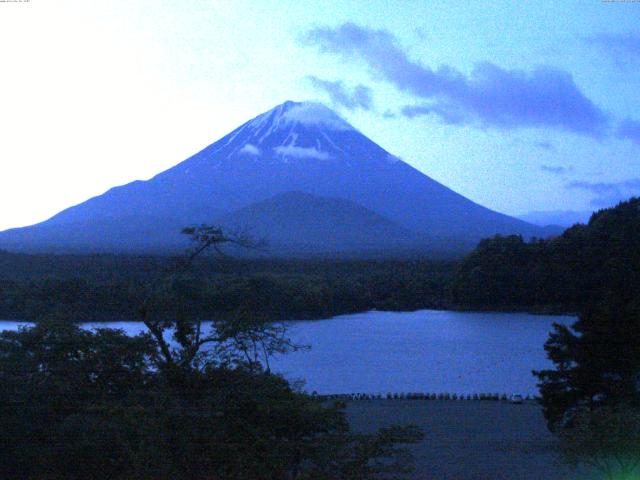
112	287
565	273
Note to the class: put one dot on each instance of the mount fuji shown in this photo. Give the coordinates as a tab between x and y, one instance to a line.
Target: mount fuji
300	176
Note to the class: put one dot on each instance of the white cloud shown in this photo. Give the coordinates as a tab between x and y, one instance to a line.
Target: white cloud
250	149
301	152
313	113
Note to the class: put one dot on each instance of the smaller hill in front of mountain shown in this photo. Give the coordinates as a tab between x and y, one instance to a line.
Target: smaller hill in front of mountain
299	222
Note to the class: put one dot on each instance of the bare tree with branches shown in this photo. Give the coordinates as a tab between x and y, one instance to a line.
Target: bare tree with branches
244	339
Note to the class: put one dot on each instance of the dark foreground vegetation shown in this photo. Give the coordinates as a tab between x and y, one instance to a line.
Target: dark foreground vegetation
591	398
101	405
176	402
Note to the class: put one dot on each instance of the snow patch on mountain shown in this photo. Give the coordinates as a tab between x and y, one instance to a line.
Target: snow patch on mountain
291	139
301	152
250	149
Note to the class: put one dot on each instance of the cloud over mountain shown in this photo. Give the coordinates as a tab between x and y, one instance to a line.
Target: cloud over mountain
360	97
250	149
301	152
489	96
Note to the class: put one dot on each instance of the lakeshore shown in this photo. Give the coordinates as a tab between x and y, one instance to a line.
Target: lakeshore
430	351
470	440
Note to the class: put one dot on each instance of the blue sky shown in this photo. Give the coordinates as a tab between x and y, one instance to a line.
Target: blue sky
519	106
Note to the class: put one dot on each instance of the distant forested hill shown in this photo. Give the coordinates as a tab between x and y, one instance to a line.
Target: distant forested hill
563	273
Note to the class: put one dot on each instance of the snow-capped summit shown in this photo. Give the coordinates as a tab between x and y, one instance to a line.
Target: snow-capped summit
290	131
296	147
289	114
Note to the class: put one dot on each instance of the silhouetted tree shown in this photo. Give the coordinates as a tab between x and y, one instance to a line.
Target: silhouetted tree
597	361
591	399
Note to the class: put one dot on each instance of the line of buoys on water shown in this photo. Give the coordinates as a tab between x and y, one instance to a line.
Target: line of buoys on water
425	396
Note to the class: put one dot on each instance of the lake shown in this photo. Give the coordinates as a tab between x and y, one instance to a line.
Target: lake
423	351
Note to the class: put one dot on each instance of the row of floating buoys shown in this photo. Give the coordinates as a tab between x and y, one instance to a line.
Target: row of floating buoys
422	396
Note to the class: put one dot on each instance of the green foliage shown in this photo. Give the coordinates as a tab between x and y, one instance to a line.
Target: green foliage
563	274
607	439
56	378
597	362
80	404
591	399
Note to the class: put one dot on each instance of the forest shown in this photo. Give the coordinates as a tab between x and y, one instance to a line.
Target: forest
560	274
112	287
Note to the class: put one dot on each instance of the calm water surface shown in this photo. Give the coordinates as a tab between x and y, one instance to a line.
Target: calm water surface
422	351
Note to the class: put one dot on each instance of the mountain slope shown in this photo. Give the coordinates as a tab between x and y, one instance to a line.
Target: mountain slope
302	147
